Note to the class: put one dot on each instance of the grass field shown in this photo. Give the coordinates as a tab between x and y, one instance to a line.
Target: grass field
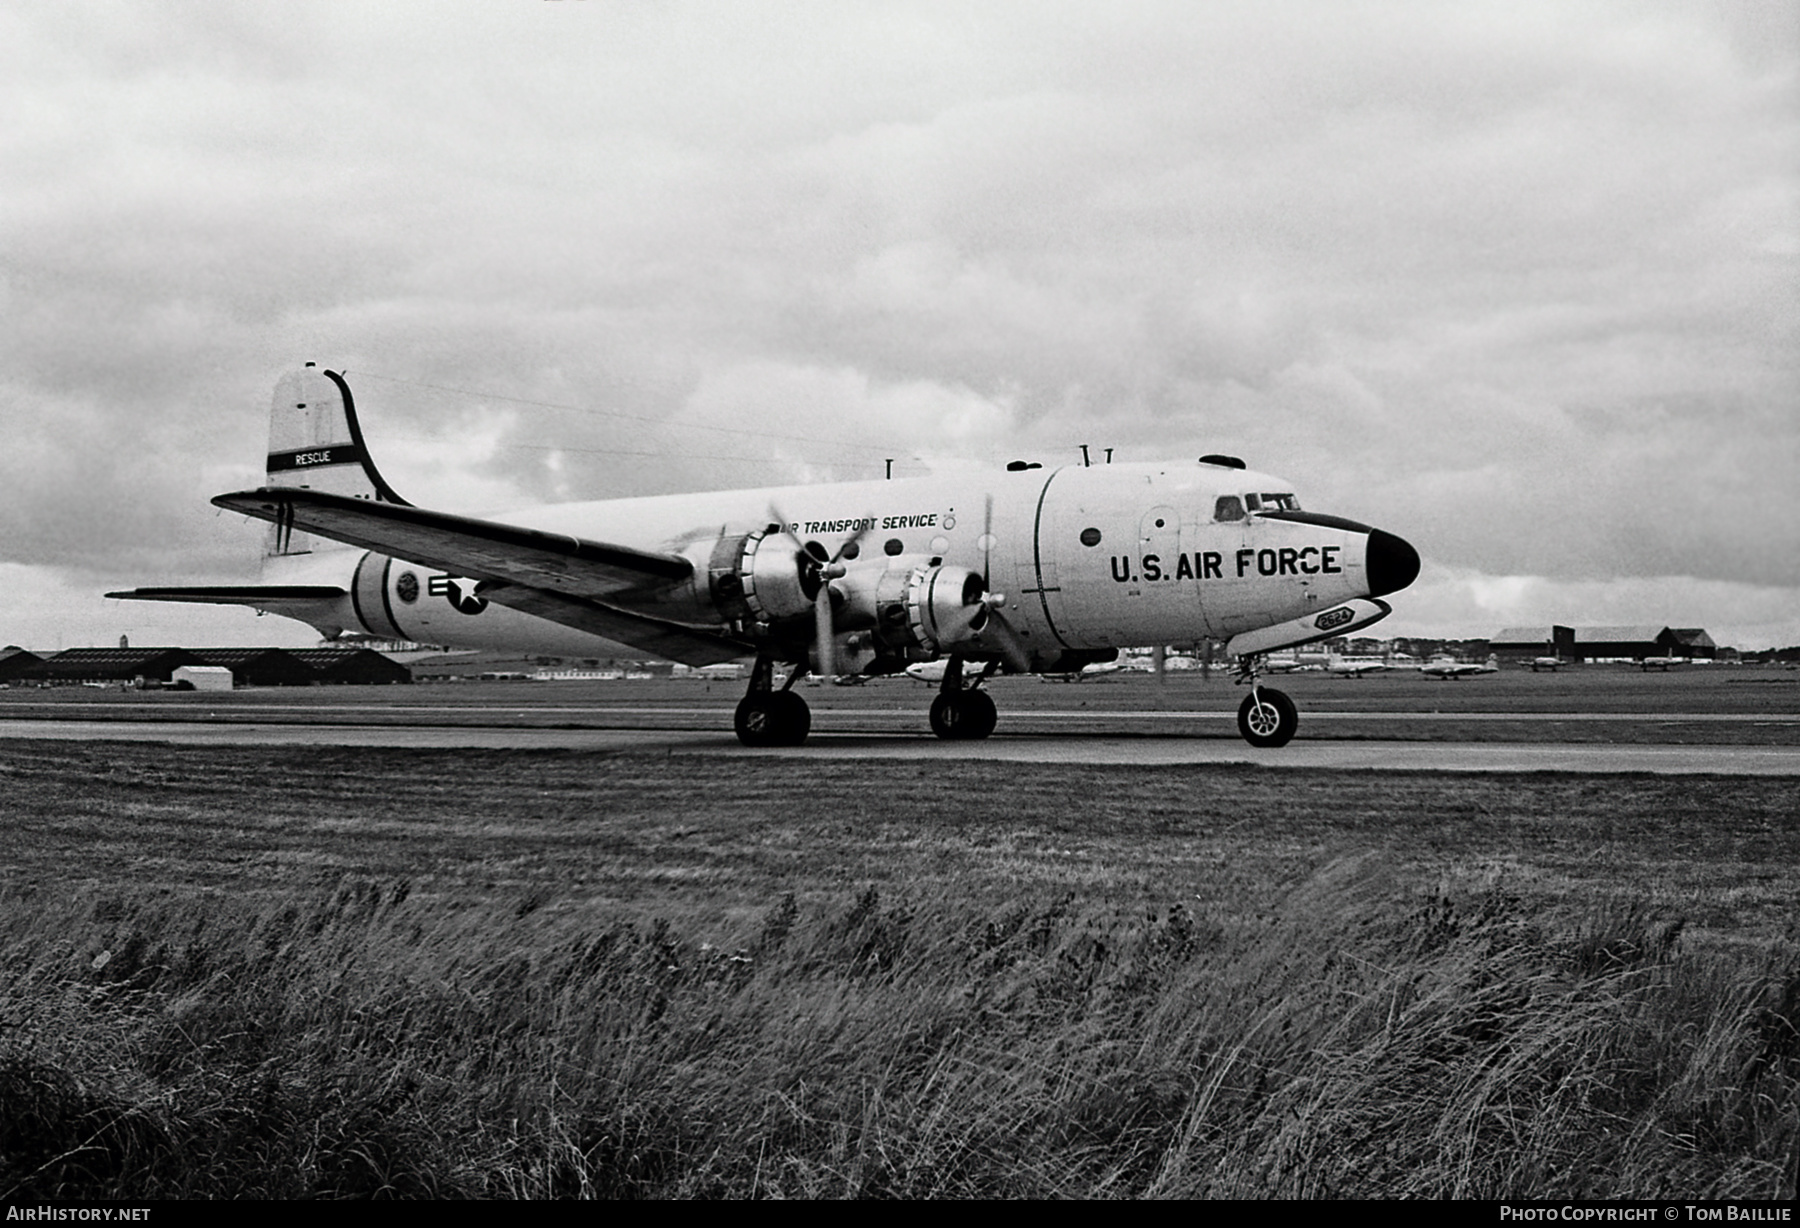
255	972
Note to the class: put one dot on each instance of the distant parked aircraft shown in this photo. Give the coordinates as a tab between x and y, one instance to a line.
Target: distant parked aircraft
1355	667
1450	670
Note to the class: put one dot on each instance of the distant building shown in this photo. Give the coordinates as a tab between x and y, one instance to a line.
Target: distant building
125	665
15	661
245	666
1628	643
201	678
1696	642
1523	645
351	666
260	666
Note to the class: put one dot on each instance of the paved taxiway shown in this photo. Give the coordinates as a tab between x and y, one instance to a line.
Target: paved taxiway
864	746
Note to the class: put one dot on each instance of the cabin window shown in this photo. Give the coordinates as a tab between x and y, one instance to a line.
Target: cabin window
1090	537
893	546
1228	508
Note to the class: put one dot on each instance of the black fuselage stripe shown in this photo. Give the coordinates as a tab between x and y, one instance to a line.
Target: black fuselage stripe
1037	558
356	584
387	600
1318	518
383	491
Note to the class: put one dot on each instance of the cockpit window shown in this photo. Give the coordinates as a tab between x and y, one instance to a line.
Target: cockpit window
1228	508
1266	502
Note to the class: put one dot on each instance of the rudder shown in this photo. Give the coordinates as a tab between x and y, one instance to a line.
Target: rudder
316	443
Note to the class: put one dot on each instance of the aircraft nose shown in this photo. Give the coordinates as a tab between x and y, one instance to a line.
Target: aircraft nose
1392	563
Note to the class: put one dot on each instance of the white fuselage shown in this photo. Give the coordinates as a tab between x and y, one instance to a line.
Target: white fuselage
1087	557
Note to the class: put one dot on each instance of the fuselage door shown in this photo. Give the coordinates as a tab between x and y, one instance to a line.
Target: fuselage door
1170	592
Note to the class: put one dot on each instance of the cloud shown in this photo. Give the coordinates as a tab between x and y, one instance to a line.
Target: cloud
1518	281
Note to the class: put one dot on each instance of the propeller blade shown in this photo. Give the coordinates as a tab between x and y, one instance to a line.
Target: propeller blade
853	544
822	631
1002	636
987	543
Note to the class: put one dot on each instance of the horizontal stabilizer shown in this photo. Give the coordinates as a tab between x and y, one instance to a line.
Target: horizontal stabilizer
482	550
325	606
1345	619
262	595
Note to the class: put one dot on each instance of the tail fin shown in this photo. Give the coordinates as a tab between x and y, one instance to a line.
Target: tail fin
316	443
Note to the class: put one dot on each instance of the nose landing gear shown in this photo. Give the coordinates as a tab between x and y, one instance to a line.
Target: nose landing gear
1267	718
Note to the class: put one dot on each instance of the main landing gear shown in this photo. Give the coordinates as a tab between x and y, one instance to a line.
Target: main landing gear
767	717
1267	717
962	714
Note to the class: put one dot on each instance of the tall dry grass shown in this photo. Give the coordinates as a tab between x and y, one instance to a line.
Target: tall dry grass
1350	1037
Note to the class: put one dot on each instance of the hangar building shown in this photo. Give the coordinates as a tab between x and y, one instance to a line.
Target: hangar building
1634	643
248	666
1523	645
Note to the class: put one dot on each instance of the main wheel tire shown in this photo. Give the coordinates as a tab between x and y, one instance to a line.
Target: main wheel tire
1268	718
755	720
979	715
963	716
795	721
772	718
946	716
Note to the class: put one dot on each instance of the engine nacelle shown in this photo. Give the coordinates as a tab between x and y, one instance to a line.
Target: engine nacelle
944	607
762	578
933	608
766	582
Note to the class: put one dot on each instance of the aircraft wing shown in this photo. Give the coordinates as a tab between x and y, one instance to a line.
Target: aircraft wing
483	550
564	579
671	640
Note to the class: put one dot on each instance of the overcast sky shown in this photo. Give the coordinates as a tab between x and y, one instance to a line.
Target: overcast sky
1517	281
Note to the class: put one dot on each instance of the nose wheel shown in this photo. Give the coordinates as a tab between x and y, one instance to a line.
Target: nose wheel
1267	718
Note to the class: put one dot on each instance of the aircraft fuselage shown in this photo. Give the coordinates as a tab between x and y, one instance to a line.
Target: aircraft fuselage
1088	557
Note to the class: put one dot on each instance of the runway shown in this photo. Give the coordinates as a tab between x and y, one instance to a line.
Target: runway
1727	722
863	746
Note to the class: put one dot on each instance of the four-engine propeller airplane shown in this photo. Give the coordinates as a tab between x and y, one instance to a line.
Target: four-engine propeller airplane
1035	569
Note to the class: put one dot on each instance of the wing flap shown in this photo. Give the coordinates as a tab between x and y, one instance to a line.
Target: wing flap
669	640
483	550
